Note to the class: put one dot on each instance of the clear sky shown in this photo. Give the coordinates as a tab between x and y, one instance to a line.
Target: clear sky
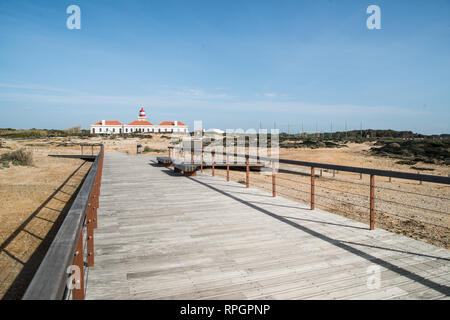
228	63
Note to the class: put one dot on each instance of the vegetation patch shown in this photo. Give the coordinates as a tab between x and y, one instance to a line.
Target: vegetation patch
422	168
413	151
148	149
408	162
19	157
312	144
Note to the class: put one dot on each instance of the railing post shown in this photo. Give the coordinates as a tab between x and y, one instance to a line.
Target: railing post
78	284
274	185
192	157
213	153
94	207
169	152
90	235
201	163
312	188
228	168
247	172
372	202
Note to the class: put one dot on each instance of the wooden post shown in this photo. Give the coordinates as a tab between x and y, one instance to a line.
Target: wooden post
81	149
78	294
228	168
90	234
372	202
94	213
92	149
201	163
213	163
247	173
169	152
274	185
192	157
312	188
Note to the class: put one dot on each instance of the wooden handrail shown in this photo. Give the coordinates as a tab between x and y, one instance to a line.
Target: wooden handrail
361	170
50	280
313	165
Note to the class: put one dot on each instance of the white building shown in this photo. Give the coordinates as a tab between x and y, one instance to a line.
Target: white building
107	127
139	125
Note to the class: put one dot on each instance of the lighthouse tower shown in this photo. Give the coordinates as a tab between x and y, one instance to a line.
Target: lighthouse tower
142	116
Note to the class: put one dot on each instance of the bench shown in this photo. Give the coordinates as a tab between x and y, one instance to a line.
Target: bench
165	161
186	168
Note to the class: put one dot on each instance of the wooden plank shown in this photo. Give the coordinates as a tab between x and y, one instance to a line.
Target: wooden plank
221	240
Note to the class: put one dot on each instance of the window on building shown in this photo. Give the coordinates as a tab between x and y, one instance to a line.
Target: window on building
100	130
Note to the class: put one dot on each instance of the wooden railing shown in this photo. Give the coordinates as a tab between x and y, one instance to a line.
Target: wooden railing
312	165
61	274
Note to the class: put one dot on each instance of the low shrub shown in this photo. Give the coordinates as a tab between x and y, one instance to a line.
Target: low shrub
148	149
19	157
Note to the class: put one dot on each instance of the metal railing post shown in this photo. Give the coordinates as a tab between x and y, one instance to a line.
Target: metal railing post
312	188
213	153
247	173
228	168
201	162
274	185
372	202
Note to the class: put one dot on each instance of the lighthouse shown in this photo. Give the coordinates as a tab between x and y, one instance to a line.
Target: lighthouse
142	116
140	125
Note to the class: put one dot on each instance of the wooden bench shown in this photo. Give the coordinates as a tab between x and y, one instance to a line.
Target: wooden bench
186	168
165	161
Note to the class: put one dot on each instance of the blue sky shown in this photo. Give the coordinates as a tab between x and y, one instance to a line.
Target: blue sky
228	63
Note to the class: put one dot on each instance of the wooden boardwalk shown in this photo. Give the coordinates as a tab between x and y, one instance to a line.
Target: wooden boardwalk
164	236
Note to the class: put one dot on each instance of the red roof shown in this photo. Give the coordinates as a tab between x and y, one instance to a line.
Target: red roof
171	123
109	123
140	123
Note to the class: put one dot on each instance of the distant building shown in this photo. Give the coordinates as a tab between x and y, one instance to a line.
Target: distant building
139	125
107	127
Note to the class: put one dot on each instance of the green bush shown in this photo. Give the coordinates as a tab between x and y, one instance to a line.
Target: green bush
19	157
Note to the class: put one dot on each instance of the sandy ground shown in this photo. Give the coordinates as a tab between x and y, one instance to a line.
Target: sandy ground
35	199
